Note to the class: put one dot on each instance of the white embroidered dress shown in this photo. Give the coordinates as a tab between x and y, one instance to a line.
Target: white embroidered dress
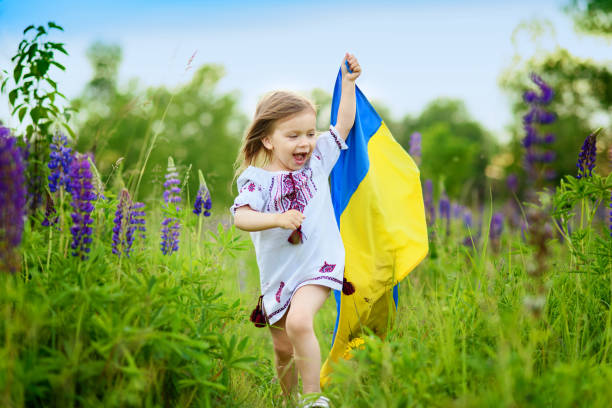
319	259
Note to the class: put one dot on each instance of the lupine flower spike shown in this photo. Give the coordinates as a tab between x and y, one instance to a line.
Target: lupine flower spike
51	217
495	230
430	209
120	220
512	182
203	200
415	147
497	223
136	222
59	163
586	158
171	225
12	201
444	208
82	194
610	215
535	145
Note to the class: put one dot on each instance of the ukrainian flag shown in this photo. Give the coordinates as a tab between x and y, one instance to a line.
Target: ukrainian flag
378	201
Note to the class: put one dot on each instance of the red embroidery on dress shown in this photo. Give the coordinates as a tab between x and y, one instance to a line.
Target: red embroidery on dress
331	131
293	191
327	268
311	279
250	186
279	291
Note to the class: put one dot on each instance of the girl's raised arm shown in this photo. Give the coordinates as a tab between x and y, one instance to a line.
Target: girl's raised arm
347	107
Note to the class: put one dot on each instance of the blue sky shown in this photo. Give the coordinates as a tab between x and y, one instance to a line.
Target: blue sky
411	52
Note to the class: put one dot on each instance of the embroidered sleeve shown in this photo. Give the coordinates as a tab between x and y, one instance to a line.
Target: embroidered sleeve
327	150
251	194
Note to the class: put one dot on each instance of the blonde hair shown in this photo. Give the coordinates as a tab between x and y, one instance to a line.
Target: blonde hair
274	106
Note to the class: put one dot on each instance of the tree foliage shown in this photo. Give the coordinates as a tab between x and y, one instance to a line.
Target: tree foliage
592	16
195	124
455	148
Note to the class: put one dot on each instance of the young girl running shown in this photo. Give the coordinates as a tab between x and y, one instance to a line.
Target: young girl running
284	201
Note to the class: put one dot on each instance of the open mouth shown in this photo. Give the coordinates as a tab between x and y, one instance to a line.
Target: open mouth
300	158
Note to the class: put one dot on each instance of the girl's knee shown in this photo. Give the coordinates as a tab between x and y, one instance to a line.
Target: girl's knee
298	324
283	349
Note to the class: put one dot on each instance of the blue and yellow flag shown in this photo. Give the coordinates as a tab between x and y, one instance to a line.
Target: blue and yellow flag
378	201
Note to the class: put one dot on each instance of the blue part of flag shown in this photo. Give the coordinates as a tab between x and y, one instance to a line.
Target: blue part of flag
353	164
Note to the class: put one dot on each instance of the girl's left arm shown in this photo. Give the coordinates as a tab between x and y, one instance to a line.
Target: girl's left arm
347	107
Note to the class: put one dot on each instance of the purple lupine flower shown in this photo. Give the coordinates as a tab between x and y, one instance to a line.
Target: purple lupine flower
171	194
468	240
467	218
531	136
171	225
119	221
539	115
59	163
610	215
170	235
545	96
202	201
549	138
415	146
430	209
550	174
82	194
497	223
203	198
512	182
12	200
444	209
586	158
534	144
444	206
547	157
51	217
456	210
136	221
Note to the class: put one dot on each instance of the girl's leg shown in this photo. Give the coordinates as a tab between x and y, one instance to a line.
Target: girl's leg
306	302
283	353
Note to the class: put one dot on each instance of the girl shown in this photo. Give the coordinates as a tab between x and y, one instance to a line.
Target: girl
284	201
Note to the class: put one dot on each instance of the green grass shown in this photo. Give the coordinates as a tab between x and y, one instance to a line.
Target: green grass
158	330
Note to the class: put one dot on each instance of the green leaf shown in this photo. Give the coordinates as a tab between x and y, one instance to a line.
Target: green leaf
52	83
57	64
21	47
42	67
17	72
69	130
32	50
51	24
22	113
35	114
13	96
28	28
59	47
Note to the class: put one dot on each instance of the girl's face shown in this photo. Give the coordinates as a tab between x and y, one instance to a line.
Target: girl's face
292	141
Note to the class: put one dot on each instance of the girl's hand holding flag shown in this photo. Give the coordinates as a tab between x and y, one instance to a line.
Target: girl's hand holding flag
353	66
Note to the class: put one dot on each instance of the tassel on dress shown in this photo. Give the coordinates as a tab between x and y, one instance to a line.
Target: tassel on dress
257	315
296	236
347	287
